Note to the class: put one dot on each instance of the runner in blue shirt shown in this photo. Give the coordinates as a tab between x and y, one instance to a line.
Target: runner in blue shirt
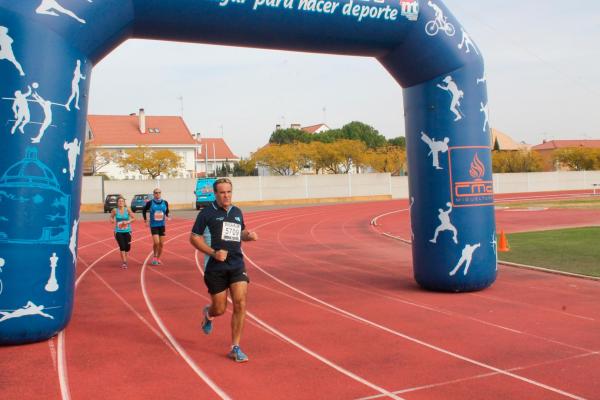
122	219
218	233
159	214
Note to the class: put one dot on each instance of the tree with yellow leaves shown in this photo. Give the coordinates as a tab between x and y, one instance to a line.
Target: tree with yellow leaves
390	159
283	159
151	163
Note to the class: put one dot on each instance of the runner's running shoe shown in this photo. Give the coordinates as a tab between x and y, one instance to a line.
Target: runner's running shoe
237	354
206	323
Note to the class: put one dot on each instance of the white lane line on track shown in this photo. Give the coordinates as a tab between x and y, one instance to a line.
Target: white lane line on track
411	303
479	376
417	341
420	305
324	360
186	357
63	375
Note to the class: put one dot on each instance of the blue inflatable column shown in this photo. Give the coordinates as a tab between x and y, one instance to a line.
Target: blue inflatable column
43	102
450	179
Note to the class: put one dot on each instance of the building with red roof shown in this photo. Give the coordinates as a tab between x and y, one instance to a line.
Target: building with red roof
212	154
117	133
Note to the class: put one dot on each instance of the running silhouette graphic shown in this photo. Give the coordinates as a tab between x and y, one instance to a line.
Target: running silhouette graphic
445	224
20	108
51	7
439	23
466	42
466	258
6	51
73	150
457	94
77	77
435	147
29	309
73	241
484	109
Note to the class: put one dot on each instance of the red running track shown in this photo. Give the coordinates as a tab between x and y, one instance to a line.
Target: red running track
334	313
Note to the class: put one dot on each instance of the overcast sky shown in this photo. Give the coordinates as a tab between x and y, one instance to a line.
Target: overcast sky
542	60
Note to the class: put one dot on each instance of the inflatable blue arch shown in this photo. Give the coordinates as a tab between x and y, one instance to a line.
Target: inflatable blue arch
48	49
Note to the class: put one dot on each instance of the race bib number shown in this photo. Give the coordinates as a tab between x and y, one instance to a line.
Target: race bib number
159	216
231	232
122	225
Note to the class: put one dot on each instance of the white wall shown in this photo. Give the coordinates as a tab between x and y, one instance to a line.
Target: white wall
264	188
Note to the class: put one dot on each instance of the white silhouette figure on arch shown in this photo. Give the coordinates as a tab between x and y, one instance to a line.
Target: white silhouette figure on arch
466	258
77	77
29	309
435	147
456	94
73	150
20	109
485	110
73	241
445	224
6	51
466	42
52	7
52	284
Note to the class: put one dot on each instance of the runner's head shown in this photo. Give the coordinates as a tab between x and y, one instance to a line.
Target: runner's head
157	193
121	202
223	188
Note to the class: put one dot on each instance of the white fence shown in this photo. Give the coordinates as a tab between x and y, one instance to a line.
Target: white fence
280	188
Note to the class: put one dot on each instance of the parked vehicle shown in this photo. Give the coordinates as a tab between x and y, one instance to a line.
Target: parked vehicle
110	202
139	201
204	192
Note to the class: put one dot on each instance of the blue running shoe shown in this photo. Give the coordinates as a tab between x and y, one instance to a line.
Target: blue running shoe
237	355
206	323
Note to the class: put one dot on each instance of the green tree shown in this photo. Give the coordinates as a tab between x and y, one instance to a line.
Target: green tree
289	136
151	163
399	141
496	145
245	167
365	133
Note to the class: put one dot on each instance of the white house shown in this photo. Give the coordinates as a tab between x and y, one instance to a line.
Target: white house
121	132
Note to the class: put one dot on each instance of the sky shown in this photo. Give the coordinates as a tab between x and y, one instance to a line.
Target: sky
542	60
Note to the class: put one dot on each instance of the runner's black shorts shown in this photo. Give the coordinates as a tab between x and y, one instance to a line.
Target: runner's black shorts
158	230
124	240
220	280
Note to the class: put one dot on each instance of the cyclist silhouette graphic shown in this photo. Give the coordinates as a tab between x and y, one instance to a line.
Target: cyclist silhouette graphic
439	23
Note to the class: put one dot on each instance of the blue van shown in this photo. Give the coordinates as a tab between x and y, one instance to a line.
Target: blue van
204	192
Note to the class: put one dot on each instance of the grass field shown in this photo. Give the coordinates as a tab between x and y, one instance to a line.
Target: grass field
575	250
587	203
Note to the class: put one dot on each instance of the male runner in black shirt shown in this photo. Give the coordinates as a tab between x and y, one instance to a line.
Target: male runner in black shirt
218	233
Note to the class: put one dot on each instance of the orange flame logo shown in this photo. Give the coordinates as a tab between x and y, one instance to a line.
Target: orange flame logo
477	168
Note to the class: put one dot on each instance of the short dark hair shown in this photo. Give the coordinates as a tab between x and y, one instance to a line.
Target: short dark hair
219	181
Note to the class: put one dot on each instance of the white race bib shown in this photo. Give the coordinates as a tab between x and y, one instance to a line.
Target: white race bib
159	216
231	232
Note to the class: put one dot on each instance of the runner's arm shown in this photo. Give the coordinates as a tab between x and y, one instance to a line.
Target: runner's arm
167	210
145	209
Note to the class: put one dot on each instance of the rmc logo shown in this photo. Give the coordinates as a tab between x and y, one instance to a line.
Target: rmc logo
470	182
409	9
